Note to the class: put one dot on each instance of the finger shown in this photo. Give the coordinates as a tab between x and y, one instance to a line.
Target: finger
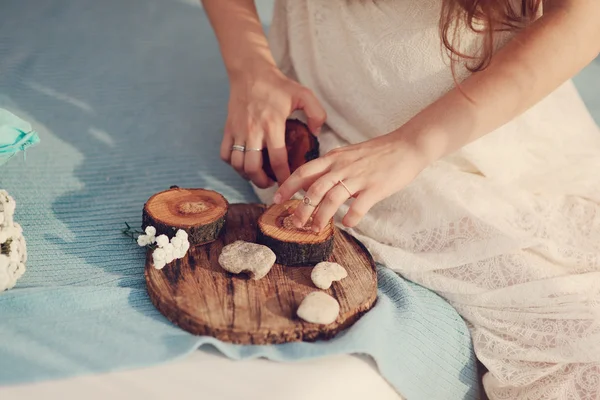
278	157
253	162
331	202
237	158
226	144
315	113
359	208
316	192
302	177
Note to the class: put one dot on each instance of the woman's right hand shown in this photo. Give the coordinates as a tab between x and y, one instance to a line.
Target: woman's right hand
259	104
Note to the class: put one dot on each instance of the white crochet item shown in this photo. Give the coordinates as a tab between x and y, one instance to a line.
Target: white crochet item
13	249
507	229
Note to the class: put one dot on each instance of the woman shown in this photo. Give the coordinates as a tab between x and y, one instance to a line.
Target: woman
472	171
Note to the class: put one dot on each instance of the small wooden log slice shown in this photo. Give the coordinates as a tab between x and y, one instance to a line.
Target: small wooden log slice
293	246
200	212
199	296
301	145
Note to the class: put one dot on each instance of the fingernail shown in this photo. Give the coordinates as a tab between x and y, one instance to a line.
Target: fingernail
297	222
277	198
318	131
316	229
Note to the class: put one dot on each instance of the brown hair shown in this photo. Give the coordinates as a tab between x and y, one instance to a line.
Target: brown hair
485	17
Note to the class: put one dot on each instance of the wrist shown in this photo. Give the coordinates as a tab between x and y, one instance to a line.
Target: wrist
426	142
244	66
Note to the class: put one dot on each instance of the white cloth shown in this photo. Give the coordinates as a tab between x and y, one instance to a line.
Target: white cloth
506	229
207	375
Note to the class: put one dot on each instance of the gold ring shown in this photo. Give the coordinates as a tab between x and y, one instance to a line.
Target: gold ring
345	187
306	201
257	149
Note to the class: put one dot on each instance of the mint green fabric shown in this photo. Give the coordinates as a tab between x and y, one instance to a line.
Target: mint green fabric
15	135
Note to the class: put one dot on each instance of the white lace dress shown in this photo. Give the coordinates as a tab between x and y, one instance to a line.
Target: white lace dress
506	229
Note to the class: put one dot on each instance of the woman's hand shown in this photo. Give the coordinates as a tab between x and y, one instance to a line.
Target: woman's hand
259	104
261	96
368	171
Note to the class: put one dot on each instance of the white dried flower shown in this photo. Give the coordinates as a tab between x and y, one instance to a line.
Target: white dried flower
150	231
147	239
181	243
182	251
178	252
143	241
162	241
159	258
169	253
177	242
181	234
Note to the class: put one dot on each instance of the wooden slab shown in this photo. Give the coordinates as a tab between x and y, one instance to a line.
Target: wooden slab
196	294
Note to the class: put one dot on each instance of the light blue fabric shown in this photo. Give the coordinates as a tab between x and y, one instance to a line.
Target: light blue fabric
15	135
52	333
588	85
129	98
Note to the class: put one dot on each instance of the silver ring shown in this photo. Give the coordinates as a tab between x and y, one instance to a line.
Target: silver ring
345	187
306	201
257	149
238	147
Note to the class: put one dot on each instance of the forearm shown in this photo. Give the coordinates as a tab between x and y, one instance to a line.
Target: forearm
537	61
240	34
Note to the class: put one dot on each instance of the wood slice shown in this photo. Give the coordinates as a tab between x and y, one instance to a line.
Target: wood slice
200	212
301	145
196	294
293	246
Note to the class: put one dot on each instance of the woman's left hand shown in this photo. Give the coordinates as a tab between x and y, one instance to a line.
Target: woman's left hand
368	171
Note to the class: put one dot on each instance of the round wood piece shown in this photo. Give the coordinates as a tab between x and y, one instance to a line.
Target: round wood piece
200	212
301	146
196	294
293	246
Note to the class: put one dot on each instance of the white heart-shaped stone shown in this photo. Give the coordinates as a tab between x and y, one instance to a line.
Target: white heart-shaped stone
325	273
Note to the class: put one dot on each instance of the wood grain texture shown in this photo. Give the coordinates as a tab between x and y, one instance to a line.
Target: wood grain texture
199	212
293	246
196	294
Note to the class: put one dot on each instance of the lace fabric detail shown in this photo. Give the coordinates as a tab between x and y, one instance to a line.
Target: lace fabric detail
507	229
